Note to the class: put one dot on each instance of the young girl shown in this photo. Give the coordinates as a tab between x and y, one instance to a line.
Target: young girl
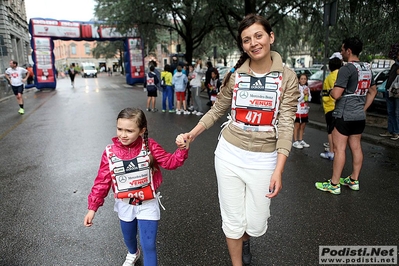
179	81
131	166
302	113
151	84
214	85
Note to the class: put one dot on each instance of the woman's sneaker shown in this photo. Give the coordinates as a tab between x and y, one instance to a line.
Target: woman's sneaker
131	259
246	252
194	112
347	181
304	144
297	145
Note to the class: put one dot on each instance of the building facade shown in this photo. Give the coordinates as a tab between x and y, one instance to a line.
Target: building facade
78	52
14	33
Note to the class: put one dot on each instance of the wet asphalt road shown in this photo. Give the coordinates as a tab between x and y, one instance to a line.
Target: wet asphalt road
50	157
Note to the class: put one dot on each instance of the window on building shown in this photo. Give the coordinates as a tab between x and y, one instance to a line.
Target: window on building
87	49
73	49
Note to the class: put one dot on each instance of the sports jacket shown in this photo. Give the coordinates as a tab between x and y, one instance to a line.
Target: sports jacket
163	159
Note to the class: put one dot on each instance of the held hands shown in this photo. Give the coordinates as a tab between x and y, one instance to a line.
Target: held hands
88	221
183	141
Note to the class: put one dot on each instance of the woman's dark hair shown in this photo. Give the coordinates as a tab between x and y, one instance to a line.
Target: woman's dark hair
248	21
137	115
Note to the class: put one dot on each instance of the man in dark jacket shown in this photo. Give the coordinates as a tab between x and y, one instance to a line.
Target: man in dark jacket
392	102
208	76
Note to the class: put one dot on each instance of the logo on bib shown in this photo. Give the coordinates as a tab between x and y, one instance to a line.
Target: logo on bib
131	166
257	83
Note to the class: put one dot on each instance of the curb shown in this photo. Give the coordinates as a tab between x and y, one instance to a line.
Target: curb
365	136
12	95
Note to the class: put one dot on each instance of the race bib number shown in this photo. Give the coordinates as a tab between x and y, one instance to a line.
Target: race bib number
254	117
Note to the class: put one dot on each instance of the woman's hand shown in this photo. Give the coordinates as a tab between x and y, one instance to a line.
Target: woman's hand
276	184
88	221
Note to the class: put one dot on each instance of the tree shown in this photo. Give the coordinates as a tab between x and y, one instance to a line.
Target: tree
108	50
192	20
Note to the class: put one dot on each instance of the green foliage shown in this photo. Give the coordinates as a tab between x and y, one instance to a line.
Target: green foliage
203	24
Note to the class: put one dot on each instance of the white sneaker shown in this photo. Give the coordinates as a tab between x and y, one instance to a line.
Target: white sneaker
304	144
199	114
327	155
178	112
297	145
194	112
131	259
186	112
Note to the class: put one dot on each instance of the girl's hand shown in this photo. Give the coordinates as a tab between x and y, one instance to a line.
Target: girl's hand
88	221
275	184
183	142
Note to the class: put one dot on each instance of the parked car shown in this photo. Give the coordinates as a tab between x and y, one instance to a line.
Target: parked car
315	84
380	78
300	71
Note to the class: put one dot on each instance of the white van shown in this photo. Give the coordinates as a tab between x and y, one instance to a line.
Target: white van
89	70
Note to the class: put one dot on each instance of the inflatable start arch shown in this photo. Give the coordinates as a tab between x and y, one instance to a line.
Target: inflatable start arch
44	31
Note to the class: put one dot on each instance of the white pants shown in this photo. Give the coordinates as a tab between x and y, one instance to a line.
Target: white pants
242	197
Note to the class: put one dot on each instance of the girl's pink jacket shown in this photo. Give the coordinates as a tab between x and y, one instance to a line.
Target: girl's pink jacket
163	159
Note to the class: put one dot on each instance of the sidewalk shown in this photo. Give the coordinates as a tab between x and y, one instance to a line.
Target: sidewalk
375	124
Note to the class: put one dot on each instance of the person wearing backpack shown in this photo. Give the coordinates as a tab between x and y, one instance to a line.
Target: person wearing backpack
151	84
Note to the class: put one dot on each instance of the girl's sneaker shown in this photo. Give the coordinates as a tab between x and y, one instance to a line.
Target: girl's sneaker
131	259
304	144
297	145
178	112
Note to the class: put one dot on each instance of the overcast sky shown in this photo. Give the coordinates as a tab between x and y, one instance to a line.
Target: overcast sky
74	10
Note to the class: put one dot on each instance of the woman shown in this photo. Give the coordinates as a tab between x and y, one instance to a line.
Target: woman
253	147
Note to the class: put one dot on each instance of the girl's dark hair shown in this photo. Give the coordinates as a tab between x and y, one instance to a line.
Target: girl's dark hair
214	70
248	21
167	68
137	115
